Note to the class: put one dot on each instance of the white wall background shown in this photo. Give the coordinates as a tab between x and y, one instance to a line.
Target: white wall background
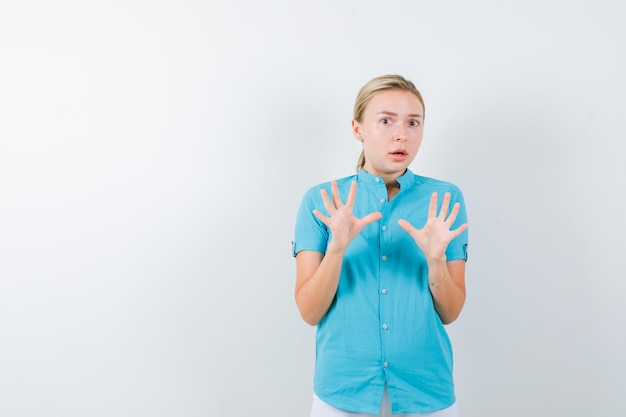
153	155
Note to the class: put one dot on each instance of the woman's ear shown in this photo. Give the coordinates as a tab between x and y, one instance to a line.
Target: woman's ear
356	130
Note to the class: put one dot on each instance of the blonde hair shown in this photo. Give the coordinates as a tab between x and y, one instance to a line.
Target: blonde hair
375	86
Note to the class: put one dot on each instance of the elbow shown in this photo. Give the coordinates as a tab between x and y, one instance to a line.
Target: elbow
309	319
449	319
308	312
449	316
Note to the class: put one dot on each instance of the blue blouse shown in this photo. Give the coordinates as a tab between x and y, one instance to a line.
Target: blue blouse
382	327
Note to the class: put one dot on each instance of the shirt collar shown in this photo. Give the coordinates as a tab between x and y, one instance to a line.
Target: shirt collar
404	180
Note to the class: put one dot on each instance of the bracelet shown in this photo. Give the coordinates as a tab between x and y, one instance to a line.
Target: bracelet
436	284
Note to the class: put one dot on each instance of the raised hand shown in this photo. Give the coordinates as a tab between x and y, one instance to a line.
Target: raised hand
434	237
341	220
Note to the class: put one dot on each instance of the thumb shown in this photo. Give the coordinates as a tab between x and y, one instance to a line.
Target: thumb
406	226
372	217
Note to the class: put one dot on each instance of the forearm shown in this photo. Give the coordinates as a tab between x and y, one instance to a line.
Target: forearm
316	294
447	289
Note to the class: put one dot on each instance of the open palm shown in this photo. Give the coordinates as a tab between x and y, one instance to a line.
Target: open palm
341	220
434	237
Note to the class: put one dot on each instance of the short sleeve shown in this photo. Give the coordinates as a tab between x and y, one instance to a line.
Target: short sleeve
457	248
310	233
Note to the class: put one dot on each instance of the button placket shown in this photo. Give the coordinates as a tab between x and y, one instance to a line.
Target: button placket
383	291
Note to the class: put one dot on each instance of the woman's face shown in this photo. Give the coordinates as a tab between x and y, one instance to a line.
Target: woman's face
391	130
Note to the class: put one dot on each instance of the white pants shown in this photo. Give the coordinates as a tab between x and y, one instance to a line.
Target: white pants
321	409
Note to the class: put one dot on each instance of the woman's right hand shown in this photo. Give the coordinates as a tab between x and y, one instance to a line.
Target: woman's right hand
341	220
317	274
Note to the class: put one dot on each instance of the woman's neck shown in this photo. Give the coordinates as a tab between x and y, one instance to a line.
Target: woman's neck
392	190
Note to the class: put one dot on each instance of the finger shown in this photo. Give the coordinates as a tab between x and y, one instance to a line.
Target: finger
351	194
370	218
445	205
457	232
453	213
336	196
324	219
432	208
329	207
407	226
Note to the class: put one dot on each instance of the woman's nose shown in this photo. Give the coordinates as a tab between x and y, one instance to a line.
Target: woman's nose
399	133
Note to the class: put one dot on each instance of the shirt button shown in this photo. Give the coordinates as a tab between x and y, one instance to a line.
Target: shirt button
382	200
384	258
384	228
385	364
377	179
385	326
383	291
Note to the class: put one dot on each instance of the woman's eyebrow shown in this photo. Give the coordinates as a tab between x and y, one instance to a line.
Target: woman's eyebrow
389	113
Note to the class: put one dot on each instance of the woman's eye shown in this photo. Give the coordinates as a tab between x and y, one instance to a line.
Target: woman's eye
386	121
414	123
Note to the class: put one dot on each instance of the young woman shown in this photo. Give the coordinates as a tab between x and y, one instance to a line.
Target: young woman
380	269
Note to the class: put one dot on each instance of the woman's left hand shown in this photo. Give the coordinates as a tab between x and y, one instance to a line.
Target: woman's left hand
434	237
